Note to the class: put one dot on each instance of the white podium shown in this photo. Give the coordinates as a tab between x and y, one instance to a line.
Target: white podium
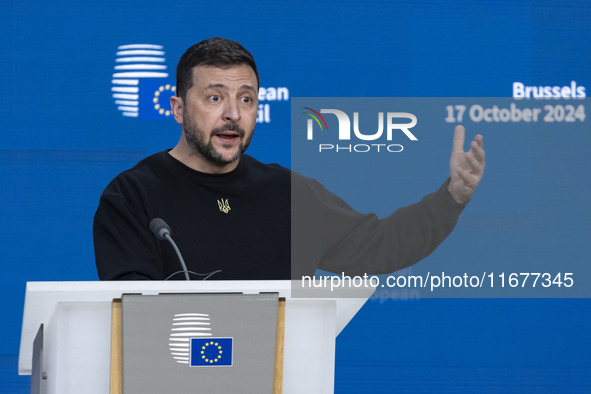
76	317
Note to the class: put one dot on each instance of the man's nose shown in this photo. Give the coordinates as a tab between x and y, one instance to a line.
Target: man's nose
231	111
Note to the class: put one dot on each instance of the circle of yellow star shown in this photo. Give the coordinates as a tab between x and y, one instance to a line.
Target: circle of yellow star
213	359
156	98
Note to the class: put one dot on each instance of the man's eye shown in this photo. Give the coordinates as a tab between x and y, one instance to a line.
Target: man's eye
247	99
215	98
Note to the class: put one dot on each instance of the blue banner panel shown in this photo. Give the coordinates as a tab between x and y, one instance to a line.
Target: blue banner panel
67	128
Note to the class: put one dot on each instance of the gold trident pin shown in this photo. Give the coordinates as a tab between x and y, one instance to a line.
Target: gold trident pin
224	205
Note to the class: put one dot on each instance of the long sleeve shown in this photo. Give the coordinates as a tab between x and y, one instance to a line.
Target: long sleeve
341	239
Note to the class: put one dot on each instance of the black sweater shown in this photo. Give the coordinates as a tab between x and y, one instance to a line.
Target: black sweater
258	237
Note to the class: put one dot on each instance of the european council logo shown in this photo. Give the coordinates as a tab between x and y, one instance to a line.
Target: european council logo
141	86
191	342
211	352
186	326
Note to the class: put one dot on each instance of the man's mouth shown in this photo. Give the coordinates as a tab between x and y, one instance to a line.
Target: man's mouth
228	136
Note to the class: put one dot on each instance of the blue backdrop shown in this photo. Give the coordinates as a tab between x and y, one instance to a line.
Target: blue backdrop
65	133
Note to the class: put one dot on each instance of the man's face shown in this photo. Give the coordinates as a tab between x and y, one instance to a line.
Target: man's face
219	113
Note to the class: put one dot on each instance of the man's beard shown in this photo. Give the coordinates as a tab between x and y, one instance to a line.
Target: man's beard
196	139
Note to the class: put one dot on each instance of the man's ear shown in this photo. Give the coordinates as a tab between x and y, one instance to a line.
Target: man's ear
177	106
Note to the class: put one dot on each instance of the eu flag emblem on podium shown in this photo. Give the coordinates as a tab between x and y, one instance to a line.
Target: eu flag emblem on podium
211	352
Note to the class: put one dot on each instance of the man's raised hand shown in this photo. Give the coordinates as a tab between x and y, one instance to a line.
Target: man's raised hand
465	168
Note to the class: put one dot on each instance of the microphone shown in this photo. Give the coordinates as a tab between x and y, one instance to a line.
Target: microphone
162	231
160	228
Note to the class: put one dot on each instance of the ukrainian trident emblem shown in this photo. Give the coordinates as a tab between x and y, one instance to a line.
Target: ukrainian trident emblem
224	205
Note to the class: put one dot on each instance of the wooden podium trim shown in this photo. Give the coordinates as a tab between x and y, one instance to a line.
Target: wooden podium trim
279	345
116	386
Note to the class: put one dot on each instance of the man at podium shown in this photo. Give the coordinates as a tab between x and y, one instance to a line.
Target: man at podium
237	218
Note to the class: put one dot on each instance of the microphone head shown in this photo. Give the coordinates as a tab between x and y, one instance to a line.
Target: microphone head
159	228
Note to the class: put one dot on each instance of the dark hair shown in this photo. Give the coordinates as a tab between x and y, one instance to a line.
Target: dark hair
216	51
